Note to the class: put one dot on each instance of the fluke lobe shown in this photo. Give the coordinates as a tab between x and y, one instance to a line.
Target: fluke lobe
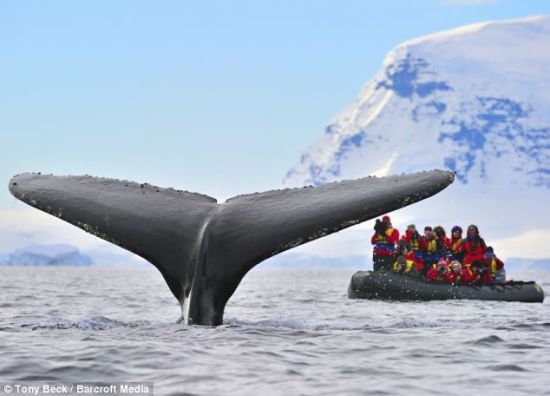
204	248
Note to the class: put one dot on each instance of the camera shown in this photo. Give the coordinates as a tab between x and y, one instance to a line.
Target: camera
380	226
479	267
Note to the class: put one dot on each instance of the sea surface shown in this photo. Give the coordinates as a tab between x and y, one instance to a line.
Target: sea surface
286	332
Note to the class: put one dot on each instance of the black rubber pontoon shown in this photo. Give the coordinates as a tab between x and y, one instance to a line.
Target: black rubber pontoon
393	286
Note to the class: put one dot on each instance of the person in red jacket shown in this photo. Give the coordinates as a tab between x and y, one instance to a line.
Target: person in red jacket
483	275
415	265
468	276
443	243
456	244
411	264
476	274
495	266
416	242
384	239
438	273
474	246
455	274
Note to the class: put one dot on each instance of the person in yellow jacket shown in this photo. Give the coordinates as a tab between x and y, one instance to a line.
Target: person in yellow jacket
400	264
430	243
406	261
384	239
496	267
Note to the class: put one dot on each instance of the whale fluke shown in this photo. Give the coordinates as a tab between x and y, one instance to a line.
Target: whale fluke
203	248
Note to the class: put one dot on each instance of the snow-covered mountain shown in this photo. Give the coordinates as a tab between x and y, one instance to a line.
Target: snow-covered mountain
474	100
46	255
526	265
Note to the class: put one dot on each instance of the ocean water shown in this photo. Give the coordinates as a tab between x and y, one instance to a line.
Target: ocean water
287	332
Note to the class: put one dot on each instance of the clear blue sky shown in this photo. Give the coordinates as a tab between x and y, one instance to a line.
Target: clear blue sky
219	97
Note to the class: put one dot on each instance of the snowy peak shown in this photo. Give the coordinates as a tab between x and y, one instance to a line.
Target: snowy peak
469	99
411	77
46	255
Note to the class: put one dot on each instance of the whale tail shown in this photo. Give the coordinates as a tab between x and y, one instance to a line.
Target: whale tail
203	248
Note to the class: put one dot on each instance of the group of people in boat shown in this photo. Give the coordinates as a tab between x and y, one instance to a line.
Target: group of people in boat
459	260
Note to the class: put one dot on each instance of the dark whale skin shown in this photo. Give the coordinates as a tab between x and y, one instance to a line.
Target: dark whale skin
203	248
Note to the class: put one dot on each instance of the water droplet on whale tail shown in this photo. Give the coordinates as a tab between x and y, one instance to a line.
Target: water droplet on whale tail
204	249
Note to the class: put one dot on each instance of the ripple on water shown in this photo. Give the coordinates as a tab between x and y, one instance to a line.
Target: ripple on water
94	323
523	346
314	341
489	340
506	367
275	323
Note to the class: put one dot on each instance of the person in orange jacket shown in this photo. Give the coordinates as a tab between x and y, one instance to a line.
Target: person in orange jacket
456	243
474	246
455	274
416	242
384	239
438	273
495	266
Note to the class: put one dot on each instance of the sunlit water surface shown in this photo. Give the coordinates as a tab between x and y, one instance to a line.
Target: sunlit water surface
287	332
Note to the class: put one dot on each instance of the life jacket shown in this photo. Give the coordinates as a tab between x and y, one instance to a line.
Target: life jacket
391	231
382	245
456	245
414	262
416	242
431	245
493	266
396	265
381	238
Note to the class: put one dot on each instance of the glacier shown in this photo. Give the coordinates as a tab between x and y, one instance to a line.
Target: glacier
473	100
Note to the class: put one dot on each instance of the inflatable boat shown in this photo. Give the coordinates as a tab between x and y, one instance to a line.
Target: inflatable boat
394	286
